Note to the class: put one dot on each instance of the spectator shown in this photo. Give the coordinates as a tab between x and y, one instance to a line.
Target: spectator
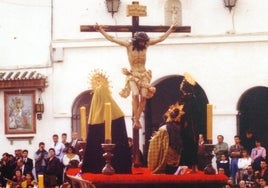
249	177
227	186
6	168
221	171
256	179
263	183
70	160
220	148
224	164
243	163
17	154
29	181
64	141
235	154
40	157
242	184
18	178
264	169
28	162
53	175
58	147
258	153
249	141
202	154
230	182
24	169
75	142
70	156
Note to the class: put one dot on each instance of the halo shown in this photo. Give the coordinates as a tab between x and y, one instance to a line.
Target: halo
98	78
171	109
189	79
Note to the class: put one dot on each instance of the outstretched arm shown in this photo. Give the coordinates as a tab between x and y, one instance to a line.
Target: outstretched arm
109	37
162	37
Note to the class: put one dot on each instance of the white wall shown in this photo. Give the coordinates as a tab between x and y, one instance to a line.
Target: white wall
25	33
225	52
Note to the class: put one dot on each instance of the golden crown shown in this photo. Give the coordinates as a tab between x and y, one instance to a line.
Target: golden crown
98	78
170	113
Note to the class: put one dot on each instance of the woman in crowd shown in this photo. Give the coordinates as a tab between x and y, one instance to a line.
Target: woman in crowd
53	175
17	178
29	181
224	163
242	164
70	158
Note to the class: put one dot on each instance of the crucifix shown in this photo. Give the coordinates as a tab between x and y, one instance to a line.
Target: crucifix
135	10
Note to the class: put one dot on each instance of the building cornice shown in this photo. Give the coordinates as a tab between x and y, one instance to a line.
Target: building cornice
176	39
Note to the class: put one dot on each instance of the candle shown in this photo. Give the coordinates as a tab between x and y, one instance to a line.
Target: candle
40	181
209	122
108	122
83	122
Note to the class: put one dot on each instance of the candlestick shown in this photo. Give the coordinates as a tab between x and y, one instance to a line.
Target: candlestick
83	122
108	122
40	181
108	169
209	122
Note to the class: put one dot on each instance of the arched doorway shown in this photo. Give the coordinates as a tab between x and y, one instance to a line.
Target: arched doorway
253	113
168	93
84	99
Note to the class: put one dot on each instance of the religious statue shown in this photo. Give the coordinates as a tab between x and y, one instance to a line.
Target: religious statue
93	160
137	78
189	136
165	147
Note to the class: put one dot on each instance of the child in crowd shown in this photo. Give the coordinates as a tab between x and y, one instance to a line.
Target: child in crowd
224	163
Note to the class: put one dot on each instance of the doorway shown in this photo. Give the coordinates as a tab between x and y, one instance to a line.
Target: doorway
84	99
168	93
253	113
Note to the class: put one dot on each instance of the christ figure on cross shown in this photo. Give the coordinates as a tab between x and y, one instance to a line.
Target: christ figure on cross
137	78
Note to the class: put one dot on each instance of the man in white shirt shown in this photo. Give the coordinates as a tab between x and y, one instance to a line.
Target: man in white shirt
58	147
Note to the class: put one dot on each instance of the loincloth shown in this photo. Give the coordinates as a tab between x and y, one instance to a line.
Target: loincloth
142	80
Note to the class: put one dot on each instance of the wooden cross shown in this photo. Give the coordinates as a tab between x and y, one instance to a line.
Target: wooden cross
135	10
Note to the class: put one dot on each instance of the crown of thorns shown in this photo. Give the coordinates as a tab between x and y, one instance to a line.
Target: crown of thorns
140	36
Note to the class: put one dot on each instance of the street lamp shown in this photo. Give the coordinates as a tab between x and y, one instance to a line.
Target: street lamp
112	6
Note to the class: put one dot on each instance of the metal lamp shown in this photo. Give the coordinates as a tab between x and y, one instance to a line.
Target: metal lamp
229	4
39	109
112	6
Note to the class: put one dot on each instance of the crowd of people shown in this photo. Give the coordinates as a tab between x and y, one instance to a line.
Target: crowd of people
18	170
244	162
